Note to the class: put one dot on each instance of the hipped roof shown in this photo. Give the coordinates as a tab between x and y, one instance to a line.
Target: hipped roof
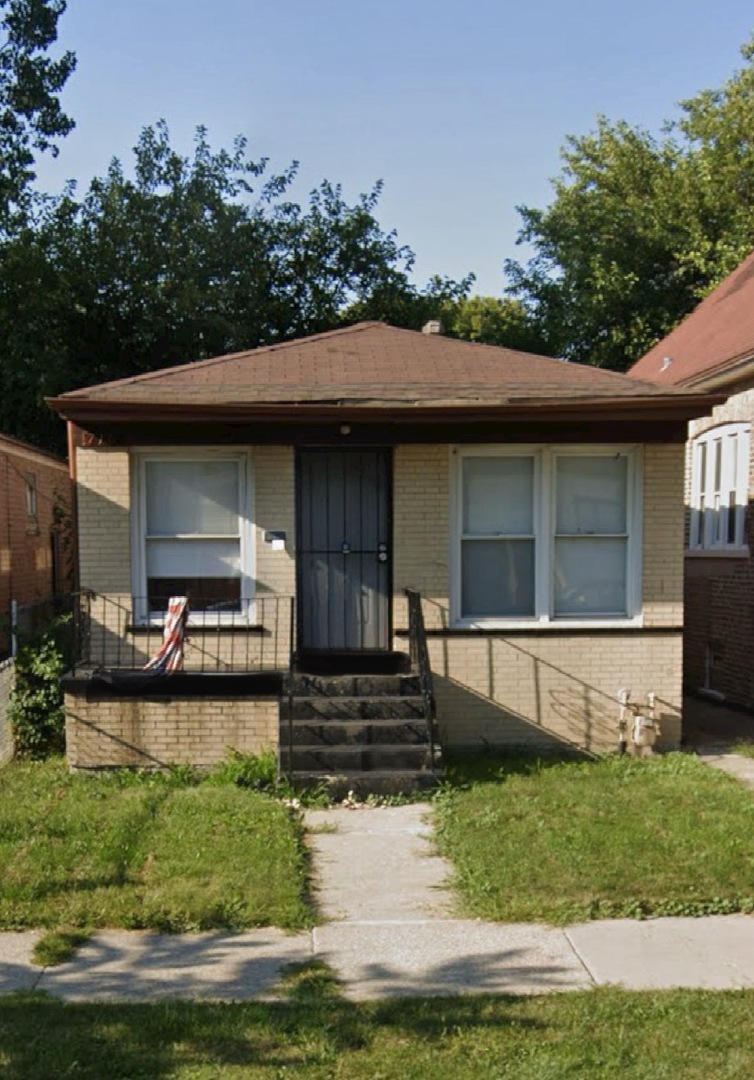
713	342
369	366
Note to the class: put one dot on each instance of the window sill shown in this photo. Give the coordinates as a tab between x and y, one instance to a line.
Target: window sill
544	629
716	553
614	622
144	629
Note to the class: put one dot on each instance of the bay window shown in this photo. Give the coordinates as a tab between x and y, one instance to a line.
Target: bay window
719	488
547	534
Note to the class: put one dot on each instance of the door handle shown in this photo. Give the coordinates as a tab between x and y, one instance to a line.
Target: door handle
365	605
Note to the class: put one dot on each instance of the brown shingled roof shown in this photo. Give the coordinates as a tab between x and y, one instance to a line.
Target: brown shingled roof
714	339
371	365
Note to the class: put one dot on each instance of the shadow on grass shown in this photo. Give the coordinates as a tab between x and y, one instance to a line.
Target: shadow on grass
491	766
41	1037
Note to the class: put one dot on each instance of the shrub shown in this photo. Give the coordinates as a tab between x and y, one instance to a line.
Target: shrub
257	771
36	709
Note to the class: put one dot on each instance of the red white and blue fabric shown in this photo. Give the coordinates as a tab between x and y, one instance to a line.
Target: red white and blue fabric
170	657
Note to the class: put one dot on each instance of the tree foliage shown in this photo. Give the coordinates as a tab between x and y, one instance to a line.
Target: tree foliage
641	228
31	117
491	320
188	257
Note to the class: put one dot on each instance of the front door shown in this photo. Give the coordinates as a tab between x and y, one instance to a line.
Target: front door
343	564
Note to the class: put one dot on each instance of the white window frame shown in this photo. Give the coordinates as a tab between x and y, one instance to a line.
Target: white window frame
708	534
139	461
545	461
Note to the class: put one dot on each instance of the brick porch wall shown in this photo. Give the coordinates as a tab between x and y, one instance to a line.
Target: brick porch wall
104	731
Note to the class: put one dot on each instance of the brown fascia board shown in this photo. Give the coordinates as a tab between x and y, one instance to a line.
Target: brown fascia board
672	406
724	375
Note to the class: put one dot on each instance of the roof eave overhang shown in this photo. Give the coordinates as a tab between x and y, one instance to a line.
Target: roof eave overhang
732	372
675	407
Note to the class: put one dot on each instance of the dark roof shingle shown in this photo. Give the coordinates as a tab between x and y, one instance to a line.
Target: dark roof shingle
369	363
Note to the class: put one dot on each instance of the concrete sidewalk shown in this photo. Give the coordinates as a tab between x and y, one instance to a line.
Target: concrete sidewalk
390	931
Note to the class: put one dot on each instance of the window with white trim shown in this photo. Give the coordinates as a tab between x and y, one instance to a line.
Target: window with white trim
719	488
547	534
191	534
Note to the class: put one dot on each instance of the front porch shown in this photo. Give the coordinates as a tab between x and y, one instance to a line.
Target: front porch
354	719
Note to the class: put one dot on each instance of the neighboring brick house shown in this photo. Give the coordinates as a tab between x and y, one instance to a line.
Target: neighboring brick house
712	350
295	493
35	509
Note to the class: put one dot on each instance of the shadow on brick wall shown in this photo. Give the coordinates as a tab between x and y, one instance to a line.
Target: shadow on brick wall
493	689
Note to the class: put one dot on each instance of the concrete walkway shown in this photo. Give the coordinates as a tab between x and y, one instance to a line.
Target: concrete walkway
390	930
736	765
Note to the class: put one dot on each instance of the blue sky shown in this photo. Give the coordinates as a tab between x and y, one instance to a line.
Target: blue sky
460	109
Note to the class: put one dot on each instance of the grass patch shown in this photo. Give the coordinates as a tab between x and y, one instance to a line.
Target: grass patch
155	851
58	946
566	841
745	749
687	1035
311	982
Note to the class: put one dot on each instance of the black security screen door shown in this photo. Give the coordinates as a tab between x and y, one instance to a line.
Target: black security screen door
343	549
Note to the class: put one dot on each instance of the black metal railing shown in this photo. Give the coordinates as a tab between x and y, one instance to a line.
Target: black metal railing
417	643
28	624
122	633
289	689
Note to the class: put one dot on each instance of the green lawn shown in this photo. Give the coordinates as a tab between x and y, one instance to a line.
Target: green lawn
597	1035
564	841
159	851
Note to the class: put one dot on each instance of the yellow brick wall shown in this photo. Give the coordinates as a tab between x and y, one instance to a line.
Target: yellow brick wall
664	518
104	494
554	685
171	731
104	504
273	469
104	523
551	688
421	530
536	688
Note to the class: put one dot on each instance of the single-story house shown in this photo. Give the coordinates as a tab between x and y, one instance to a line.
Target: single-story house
347	508
712	350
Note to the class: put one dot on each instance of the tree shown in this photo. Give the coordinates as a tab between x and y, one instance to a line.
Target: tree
31	117
492	320
190	257
640	229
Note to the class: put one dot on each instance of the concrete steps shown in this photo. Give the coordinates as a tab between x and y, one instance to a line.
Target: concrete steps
362	733
363	784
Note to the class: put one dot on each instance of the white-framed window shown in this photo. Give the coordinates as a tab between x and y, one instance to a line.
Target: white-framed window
546	534
719	488
192	532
